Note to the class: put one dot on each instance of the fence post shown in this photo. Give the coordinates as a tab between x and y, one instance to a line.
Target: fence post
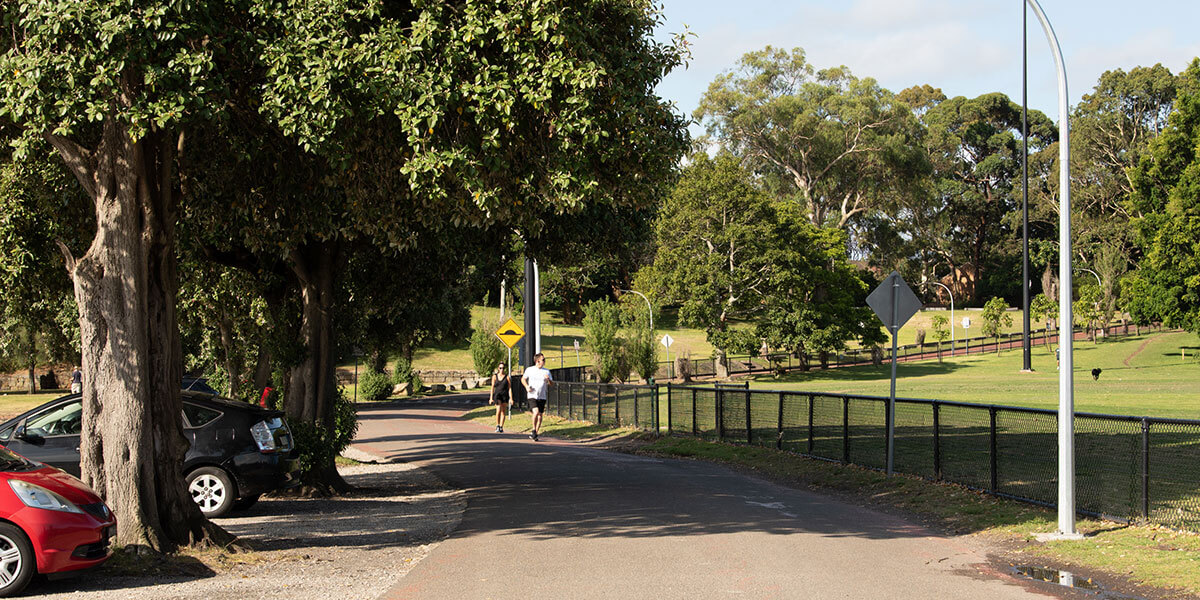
1145	468
749	436
669	416
994	478
811	410
779	435
636	421
719	398
695	430
937	441
617	406
845	429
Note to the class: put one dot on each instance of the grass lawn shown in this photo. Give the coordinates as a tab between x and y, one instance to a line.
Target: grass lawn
15	403
1143	375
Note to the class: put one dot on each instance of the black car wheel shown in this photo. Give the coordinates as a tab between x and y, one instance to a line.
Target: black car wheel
244	503
212	489
17	563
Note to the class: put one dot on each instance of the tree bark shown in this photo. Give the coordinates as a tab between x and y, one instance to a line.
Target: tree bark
312	384
132	444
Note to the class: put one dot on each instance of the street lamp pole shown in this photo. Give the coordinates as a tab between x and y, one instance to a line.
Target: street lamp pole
1098	283
649	308
1026	346
951	294
1066	398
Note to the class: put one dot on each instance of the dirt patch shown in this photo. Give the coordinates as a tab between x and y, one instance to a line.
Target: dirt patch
1140	348
353	546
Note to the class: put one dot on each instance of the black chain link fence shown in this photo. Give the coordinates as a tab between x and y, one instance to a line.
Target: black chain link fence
1127	468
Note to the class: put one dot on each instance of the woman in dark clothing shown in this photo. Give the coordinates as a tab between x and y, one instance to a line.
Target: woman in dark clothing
501	396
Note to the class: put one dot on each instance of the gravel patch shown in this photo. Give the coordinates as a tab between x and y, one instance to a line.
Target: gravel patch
353	546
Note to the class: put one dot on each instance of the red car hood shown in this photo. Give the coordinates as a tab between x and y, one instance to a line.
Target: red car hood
58	482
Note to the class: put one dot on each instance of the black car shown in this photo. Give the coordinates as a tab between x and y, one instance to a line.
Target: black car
238	451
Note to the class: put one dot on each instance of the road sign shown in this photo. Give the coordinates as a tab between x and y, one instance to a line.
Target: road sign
895	303
577	345
966	323
893	293
667	340
510	333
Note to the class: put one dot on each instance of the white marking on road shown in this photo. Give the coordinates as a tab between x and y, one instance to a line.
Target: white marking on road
779	506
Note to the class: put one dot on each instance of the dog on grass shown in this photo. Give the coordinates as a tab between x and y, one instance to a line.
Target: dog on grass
1096	374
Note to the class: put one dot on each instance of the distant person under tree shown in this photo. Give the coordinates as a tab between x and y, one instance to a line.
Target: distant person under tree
77	381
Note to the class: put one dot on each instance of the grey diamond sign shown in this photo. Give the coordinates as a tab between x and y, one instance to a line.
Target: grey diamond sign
894	302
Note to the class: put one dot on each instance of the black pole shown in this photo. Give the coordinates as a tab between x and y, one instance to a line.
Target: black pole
1025	345
530	341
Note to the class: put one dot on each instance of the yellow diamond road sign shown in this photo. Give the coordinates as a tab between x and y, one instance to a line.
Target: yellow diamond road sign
510	333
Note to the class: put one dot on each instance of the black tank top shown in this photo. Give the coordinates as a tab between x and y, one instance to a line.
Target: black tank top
500	389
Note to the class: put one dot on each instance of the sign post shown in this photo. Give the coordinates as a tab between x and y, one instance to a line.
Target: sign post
894	303
510	333
667	340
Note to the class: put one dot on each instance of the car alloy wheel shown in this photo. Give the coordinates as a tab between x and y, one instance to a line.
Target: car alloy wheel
212	490
17	562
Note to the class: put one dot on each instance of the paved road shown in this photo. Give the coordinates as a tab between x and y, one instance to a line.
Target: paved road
558	519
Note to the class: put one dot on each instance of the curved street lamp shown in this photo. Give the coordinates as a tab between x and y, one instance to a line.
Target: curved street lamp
1066	391
649	308
943	286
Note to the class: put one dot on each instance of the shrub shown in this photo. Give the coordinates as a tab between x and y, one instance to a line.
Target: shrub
403	372
317	445
641	353
600	326
487	350
374	385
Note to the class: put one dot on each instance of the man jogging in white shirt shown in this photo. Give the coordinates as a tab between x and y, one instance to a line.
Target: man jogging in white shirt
537	380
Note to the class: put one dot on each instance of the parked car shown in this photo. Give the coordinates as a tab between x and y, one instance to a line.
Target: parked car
50	522
238	451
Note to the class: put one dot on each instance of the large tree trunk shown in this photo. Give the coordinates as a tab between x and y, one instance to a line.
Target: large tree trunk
312	384
132	446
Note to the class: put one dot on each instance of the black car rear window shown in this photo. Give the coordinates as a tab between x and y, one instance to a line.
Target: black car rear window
198	416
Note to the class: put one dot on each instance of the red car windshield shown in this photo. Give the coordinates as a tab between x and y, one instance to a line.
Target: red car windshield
11	461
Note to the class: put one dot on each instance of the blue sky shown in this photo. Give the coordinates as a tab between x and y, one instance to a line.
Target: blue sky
966	48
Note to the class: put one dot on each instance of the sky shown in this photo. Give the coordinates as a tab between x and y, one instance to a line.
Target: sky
964	47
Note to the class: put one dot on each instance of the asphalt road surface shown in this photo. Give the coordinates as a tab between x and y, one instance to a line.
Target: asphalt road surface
560	519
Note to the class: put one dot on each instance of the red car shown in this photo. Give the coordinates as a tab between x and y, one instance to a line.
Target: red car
49	522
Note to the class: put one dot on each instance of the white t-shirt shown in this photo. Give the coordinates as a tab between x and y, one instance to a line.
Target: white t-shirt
537	378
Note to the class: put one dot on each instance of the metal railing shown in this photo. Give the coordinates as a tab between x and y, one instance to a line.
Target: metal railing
1127	468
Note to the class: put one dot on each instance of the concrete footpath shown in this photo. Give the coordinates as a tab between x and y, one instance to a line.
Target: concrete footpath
559	519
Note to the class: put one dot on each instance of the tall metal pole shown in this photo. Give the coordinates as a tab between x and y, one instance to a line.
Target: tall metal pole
528	344
891	407
1025	344
1066	398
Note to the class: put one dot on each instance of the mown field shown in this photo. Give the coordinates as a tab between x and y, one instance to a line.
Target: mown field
1154	374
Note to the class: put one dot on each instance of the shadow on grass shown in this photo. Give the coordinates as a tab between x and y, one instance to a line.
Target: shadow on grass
864	373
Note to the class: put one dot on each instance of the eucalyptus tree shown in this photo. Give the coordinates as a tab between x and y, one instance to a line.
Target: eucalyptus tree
837	143
1165	286
975	149
710	238
466	113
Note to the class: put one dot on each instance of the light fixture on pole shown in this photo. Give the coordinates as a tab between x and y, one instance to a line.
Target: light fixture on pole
648	306
1066	391
951	294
